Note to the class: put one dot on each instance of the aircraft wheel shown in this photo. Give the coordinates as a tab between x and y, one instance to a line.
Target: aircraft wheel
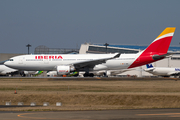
86	75
91	75
22	74
105	75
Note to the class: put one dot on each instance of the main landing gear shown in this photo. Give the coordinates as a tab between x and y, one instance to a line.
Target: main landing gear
88	75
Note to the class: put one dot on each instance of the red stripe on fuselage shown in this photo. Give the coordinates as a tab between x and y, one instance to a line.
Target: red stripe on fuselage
159	47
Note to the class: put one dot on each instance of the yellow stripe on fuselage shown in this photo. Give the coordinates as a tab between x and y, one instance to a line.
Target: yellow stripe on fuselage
166	31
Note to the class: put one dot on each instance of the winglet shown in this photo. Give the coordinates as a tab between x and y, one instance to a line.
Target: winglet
158	57
117	55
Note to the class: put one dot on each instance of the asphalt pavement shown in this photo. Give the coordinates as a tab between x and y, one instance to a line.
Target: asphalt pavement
135	114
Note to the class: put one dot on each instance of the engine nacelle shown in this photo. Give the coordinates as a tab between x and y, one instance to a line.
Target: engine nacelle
64	69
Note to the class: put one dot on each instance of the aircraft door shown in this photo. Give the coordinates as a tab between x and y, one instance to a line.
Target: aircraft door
20	60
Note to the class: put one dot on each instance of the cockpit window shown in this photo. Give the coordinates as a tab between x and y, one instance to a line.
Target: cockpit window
10	59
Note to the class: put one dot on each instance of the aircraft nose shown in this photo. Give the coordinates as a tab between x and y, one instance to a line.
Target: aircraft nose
7	63
2	63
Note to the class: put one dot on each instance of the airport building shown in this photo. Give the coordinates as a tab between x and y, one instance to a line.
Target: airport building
45	50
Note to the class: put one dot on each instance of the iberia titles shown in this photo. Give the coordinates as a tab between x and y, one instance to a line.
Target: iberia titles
48	57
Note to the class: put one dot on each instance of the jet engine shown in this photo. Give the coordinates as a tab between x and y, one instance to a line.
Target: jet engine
65	69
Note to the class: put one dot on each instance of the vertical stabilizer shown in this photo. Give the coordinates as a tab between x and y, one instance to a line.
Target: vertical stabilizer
161	44
158	47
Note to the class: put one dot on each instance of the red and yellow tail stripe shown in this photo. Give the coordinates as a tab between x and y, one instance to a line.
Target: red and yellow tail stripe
166	33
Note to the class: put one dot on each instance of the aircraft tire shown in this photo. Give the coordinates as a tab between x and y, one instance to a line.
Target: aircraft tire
88	75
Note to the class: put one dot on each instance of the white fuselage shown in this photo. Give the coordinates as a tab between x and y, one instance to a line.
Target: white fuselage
49	62
163	71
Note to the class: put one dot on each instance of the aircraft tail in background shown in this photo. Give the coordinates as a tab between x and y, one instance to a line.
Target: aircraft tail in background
149	65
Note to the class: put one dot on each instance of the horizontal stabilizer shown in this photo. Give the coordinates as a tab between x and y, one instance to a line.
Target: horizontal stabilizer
157	57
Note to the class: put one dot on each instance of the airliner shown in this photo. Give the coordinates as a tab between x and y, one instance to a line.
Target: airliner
4	70
162	71
67	63
31	73
96	73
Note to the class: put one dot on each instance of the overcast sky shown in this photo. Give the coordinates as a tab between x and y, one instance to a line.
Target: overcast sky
69	23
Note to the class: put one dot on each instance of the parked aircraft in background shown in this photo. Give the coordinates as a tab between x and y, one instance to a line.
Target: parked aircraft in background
109	72
54	74
106	73
66	63
95	73
4	70
162	71
31	73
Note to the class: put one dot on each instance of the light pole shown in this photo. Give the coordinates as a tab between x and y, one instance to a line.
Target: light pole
28	45
105	74
106	44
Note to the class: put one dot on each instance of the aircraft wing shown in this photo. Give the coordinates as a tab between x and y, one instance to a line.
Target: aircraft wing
92	63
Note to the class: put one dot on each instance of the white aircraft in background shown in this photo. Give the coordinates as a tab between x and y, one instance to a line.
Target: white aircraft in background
66	63
54	74
4	70
110	72
162	71
95	73
31	73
